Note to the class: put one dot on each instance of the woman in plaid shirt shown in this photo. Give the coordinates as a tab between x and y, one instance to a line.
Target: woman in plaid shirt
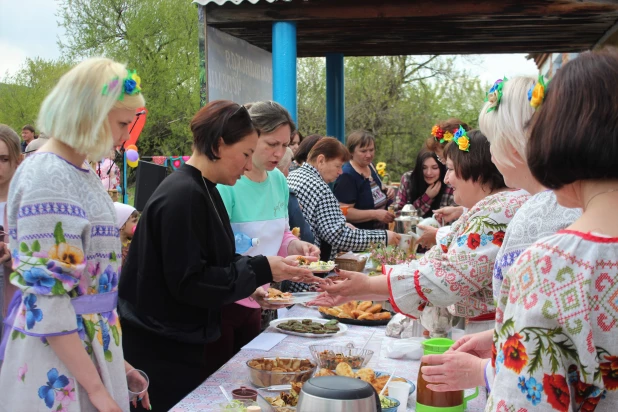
320	206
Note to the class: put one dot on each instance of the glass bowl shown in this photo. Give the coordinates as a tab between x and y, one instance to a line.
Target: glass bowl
263	377
236	405
329	356
392	408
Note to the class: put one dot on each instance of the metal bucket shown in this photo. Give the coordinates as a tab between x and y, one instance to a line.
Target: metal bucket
405	224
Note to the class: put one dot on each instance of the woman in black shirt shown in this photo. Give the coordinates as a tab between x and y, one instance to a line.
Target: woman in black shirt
182	266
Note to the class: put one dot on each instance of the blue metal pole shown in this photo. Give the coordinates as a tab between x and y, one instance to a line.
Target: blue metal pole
335	96
284	66
125	195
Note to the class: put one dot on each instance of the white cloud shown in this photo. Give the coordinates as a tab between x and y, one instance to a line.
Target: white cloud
12	58
28	29
491	67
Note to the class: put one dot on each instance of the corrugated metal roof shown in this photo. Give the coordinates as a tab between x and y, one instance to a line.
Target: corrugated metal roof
221	2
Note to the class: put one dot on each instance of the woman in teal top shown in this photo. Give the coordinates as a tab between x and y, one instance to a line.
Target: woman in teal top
258	207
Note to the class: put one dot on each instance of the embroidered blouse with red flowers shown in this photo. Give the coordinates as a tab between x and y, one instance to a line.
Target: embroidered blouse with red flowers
457	273
556	336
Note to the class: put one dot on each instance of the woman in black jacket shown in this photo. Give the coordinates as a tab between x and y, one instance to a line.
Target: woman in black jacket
182	266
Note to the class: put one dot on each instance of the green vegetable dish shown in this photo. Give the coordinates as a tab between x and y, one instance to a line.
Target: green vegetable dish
309	326
386	402
235	406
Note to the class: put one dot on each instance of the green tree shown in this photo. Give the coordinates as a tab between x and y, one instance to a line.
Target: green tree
397	98
22	93
159	39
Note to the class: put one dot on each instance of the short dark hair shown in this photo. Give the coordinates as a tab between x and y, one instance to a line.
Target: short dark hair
359	138
305	147
574	134
330	148
449	125
476	164
220	118
28	127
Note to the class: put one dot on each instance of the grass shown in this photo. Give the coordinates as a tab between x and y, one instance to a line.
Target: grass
131	193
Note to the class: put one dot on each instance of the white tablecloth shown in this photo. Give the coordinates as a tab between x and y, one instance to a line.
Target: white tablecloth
234	374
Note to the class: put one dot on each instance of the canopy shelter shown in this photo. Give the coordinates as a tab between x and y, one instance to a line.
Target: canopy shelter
338	28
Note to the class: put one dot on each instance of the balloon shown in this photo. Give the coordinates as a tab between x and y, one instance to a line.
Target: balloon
135	128
132	164
131	147
132	155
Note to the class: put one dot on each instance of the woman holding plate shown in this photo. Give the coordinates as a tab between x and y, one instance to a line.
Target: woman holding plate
457	272
266	219
182	267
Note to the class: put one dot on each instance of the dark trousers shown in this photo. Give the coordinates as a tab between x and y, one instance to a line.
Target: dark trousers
239	325
173	368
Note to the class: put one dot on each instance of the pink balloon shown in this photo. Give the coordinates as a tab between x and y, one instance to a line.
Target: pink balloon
132	155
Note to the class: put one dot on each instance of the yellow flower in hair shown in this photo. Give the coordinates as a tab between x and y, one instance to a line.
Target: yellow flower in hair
538	94
448	136
138	80
463	143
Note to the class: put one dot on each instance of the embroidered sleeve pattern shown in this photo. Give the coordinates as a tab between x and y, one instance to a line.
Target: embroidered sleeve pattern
555	343
457	273
48	262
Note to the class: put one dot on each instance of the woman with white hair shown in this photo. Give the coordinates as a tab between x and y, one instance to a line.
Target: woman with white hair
63	343
506	127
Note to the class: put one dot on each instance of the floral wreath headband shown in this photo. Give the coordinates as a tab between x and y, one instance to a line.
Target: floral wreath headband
536	94
494	95
131	85
442	136
461	139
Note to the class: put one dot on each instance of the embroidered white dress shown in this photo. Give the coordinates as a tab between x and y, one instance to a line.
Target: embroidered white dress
539	217
556	337
457	273
65	244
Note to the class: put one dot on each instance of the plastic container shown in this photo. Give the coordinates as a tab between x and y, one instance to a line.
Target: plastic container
244	242
357	358
430	401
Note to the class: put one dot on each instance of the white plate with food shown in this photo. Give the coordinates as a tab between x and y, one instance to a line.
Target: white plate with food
316	267
286	298
309	327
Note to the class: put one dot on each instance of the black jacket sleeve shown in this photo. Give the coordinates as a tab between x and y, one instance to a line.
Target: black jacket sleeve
189	267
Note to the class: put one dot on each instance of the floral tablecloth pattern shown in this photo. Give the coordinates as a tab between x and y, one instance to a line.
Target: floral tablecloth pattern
234	374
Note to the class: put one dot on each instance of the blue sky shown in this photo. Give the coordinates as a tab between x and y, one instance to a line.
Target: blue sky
28	28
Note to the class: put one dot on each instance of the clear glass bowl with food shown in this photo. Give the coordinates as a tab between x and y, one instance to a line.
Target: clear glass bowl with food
236	405
329	356
264	372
